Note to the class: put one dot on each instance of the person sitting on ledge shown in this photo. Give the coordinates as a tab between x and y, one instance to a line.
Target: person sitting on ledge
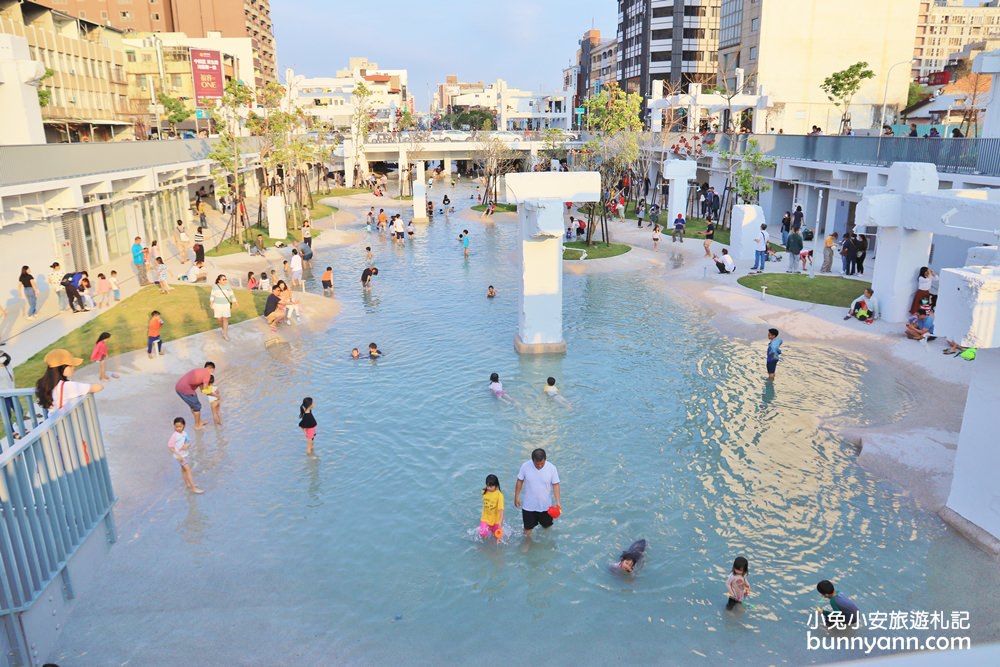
726	264
197	273
258	247
920	326
865	307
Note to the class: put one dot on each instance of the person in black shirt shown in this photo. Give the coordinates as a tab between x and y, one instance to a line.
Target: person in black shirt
709	235
272	310
307	423
70	282
366	276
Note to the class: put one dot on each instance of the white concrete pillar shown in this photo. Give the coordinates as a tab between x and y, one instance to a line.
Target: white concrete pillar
20	113
419	192
744	230
447	168
403	170
532	159
539	197
656	119
349	163
901	254
677	173
277	224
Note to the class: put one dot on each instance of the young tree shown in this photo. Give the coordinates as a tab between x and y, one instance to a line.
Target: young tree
361	125
748	176
614	120
227	151
553	145
975	86
495	158
175	110
406	121
840	88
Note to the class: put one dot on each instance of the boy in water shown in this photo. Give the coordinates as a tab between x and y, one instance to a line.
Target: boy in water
553	393
630	558
373	351
839	603
773	353
355	353
178	445
327	280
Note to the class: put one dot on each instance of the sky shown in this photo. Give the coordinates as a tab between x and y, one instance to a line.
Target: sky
525	42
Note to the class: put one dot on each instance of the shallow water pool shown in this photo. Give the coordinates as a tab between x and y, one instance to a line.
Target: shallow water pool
368	554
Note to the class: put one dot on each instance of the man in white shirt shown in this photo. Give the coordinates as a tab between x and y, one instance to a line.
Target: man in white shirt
540	481
296	265
760	242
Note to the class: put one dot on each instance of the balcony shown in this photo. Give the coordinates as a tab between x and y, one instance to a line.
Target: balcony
958	156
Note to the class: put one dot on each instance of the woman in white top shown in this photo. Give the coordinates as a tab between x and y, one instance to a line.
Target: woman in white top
55	390
924	280
307	231
223	299
183	241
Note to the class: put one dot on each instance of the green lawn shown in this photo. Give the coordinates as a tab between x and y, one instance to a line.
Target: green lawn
185	311
597	251
800	287
230	247
343	192
501	208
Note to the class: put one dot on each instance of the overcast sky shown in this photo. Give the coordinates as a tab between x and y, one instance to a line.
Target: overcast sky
525	42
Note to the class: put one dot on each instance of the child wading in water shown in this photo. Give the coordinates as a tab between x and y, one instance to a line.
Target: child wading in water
553	393
773	353
630	558
497	388
212	392
307	423
100	355
178	445
736	583
491	521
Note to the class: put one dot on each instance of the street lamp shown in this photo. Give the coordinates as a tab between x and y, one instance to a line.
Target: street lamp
885	95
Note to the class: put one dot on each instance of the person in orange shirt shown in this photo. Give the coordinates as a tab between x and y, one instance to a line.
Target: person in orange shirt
153	335
327	281
383	219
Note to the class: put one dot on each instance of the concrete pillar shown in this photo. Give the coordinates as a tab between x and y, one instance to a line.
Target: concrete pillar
419	192
744	229
349	163
677	173
901	254
447	168
20	113
277	225
403	171
539	197
532	159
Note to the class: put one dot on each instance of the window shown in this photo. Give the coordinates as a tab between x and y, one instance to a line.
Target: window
662	34
694	33
753	53
754	25
659	56
130	56
104	15
693	56
695	11
155	16
126	15
664	12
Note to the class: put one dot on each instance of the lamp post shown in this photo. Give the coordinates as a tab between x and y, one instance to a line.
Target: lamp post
885	95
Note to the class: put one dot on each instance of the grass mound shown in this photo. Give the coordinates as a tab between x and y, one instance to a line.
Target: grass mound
826	290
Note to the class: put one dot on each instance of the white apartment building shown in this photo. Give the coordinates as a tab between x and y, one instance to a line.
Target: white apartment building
521	109
788	47
945	27
331	99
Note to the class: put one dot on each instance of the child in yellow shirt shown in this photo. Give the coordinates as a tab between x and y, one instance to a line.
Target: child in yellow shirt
492	517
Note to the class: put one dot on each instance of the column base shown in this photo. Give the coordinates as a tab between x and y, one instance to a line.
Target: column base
423	219
979	536
538	348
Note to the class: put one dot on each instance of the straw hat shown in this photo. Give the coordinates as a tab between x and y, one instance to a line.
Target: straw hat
57	358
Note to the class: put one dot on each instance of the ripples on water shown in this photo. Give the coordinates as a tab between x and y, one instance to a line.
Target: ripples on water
369	555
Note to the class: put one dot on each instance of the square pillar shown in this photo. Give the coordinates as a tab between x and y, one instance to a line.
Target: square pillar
403	173
419	192
901	254
539	313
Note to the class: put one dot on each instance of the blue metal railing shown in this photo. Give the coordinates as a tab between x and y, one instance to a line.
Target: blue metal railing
55	490
960	156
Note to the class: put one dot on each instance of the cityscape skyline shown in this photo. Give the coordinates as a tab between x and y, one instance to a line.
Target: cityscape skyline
539	40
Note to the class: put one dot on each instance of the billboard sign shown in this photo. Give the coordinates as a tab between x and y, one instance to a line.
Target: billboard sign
206	68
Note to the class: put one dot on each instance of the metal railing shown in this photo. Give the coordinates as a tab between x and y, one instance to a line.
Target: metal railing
959	156
55	490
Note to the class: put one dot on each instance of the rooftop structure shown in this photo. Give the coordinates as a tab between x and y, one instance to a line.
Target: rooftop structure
946	26
331	99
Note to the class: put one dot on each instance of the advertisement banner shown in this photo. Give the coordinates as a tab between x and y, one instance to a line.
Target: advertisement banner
206	68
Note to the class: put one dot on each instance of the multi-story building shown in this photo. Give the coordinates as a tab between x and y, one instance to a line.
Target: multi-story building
88	87
603	65
331	99
947	26
666	40
789	47
161	63
441	102
517	109
195	18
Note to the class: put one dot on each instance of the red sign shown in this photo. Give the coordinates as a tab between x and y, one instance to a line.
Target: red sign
938	78
206	68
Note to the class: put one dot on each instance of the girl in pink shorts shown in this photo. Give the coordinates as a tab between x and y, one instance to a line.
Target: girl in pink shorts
307	423
491	520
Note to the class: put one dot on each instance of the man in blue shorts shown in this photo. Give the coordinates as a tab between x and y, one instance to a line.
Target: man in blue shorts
540	481
189	386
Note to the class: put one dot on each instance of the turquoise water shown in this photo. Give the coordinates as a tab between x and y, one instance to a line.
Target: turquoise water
368	554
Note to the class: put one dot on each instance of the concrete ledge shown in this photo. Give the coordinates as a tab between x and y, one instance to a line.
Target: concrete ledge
970	531
538	348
